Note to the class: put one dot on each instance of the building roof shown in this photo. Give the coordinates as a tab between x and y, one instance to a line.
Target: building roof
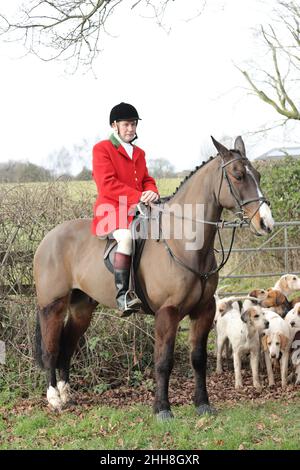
280	152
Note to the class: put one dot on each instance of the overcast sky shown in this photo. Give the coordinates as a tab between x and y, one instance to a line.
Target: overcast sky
184	85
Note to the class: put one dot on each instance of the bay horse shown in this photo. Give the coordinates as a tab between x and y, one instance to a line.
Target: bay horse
71	278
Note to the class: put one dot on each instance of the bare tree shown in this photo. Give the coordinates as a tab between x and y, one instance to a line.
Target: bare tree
60	162
161	168
276	81
69	29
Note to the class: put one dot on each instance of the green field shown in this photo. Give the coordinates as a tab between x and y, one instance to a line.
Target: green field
271	425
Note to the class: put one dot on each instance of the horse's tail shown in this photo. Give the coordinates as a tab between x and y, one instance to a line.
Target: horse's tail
38	342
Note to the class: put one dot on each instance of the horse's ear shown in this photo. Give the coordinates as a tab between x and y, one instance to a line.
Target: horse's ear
240	146
221	149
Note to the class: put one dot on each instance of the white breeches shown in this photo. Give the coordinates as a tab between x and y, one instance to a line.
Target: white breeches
123	237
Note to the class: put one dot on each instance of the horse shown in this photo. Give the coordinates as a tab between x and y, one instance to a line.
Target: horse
71	278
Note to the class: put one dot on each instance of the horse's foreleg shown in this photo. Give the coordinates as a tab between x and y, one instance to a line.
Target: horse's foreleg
166	324
50	324
76	325
200	327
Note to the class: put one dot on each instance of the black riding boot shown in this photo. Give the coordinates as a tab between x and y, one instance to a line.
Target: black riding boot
127	300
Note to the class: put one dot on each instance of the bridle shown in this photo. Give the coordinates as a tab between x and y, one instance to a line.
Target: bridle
240	213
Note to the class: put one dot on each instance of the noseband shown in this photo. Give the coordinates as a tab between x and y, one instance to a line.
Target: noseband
240	203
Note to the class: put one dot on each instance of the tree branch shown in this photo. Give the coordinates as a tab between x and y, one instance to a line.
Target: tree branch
283	67
67	29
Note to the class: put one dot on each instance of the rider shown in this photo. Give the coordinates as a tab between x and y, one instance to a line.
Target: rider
122	179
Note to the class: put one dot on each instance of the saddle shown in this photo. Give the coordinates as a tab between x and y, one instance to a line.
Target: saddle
139	232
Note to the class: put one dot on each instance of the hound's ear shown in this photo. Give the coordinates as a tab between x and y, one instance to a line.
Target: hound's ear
225	306
284	283
253	293
245	316
264	342
256	293
221	148
279	298
240	146
283	342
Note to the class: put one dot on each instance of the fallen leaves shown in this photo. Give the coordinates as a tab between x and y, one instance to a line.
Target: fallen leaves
220	388
260	426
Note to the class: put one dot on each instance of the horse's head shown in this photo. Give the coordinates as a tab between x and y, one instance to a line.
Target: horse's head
239	188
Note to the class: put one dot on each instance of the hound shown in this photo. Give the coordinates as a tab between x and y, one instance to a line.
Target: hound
272	299
293	320
277	302
276	343
288	284
259	294
242	331
293	317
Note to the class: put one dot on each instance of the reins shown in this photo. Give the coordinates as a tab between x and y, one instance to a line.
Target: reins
204	275
218	224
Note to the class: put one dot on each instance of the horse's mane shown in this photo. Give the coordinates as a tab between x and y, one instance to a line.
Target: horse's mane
197	168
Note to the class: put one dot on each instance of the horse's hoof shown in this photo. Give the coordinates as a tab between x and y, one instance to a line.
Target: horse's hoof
206	409
64	392
164	415
54	400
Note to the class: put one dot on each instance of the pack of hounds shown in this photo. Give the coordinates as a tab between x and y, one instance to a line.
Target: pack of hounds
266	325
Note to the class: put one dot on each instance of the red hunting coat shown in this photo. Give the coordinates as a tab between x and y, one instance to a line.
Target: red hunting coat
117	175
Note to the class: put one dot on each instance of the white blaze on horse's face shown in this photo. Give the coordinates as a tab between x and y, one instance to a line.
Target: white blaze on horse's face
264	223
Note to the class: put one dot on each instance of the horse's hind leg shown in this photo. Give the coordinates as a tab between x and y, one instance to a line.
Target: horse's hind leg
80	314
200	327
50	322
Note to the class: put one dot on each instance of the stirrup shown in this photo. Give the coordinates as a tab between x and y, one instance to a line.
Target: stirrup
132	303
131	300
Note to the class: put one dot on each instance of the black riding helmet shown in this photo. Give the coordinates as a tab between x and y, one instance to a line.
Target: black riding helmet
123	112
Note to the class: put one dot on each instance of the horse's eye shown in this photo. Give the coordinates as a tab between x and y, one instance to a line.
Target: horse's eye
277	343
238	177
256	316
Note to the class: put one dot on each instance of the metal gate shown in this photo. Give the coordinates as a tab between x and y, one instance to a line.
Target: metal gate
285	248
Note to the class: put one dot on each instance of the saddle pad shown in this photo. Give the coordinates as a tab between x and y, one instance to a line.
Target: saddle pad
109	254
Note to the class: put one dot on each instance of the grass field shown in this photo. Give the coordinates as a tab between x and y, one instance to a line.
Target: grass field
271	425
